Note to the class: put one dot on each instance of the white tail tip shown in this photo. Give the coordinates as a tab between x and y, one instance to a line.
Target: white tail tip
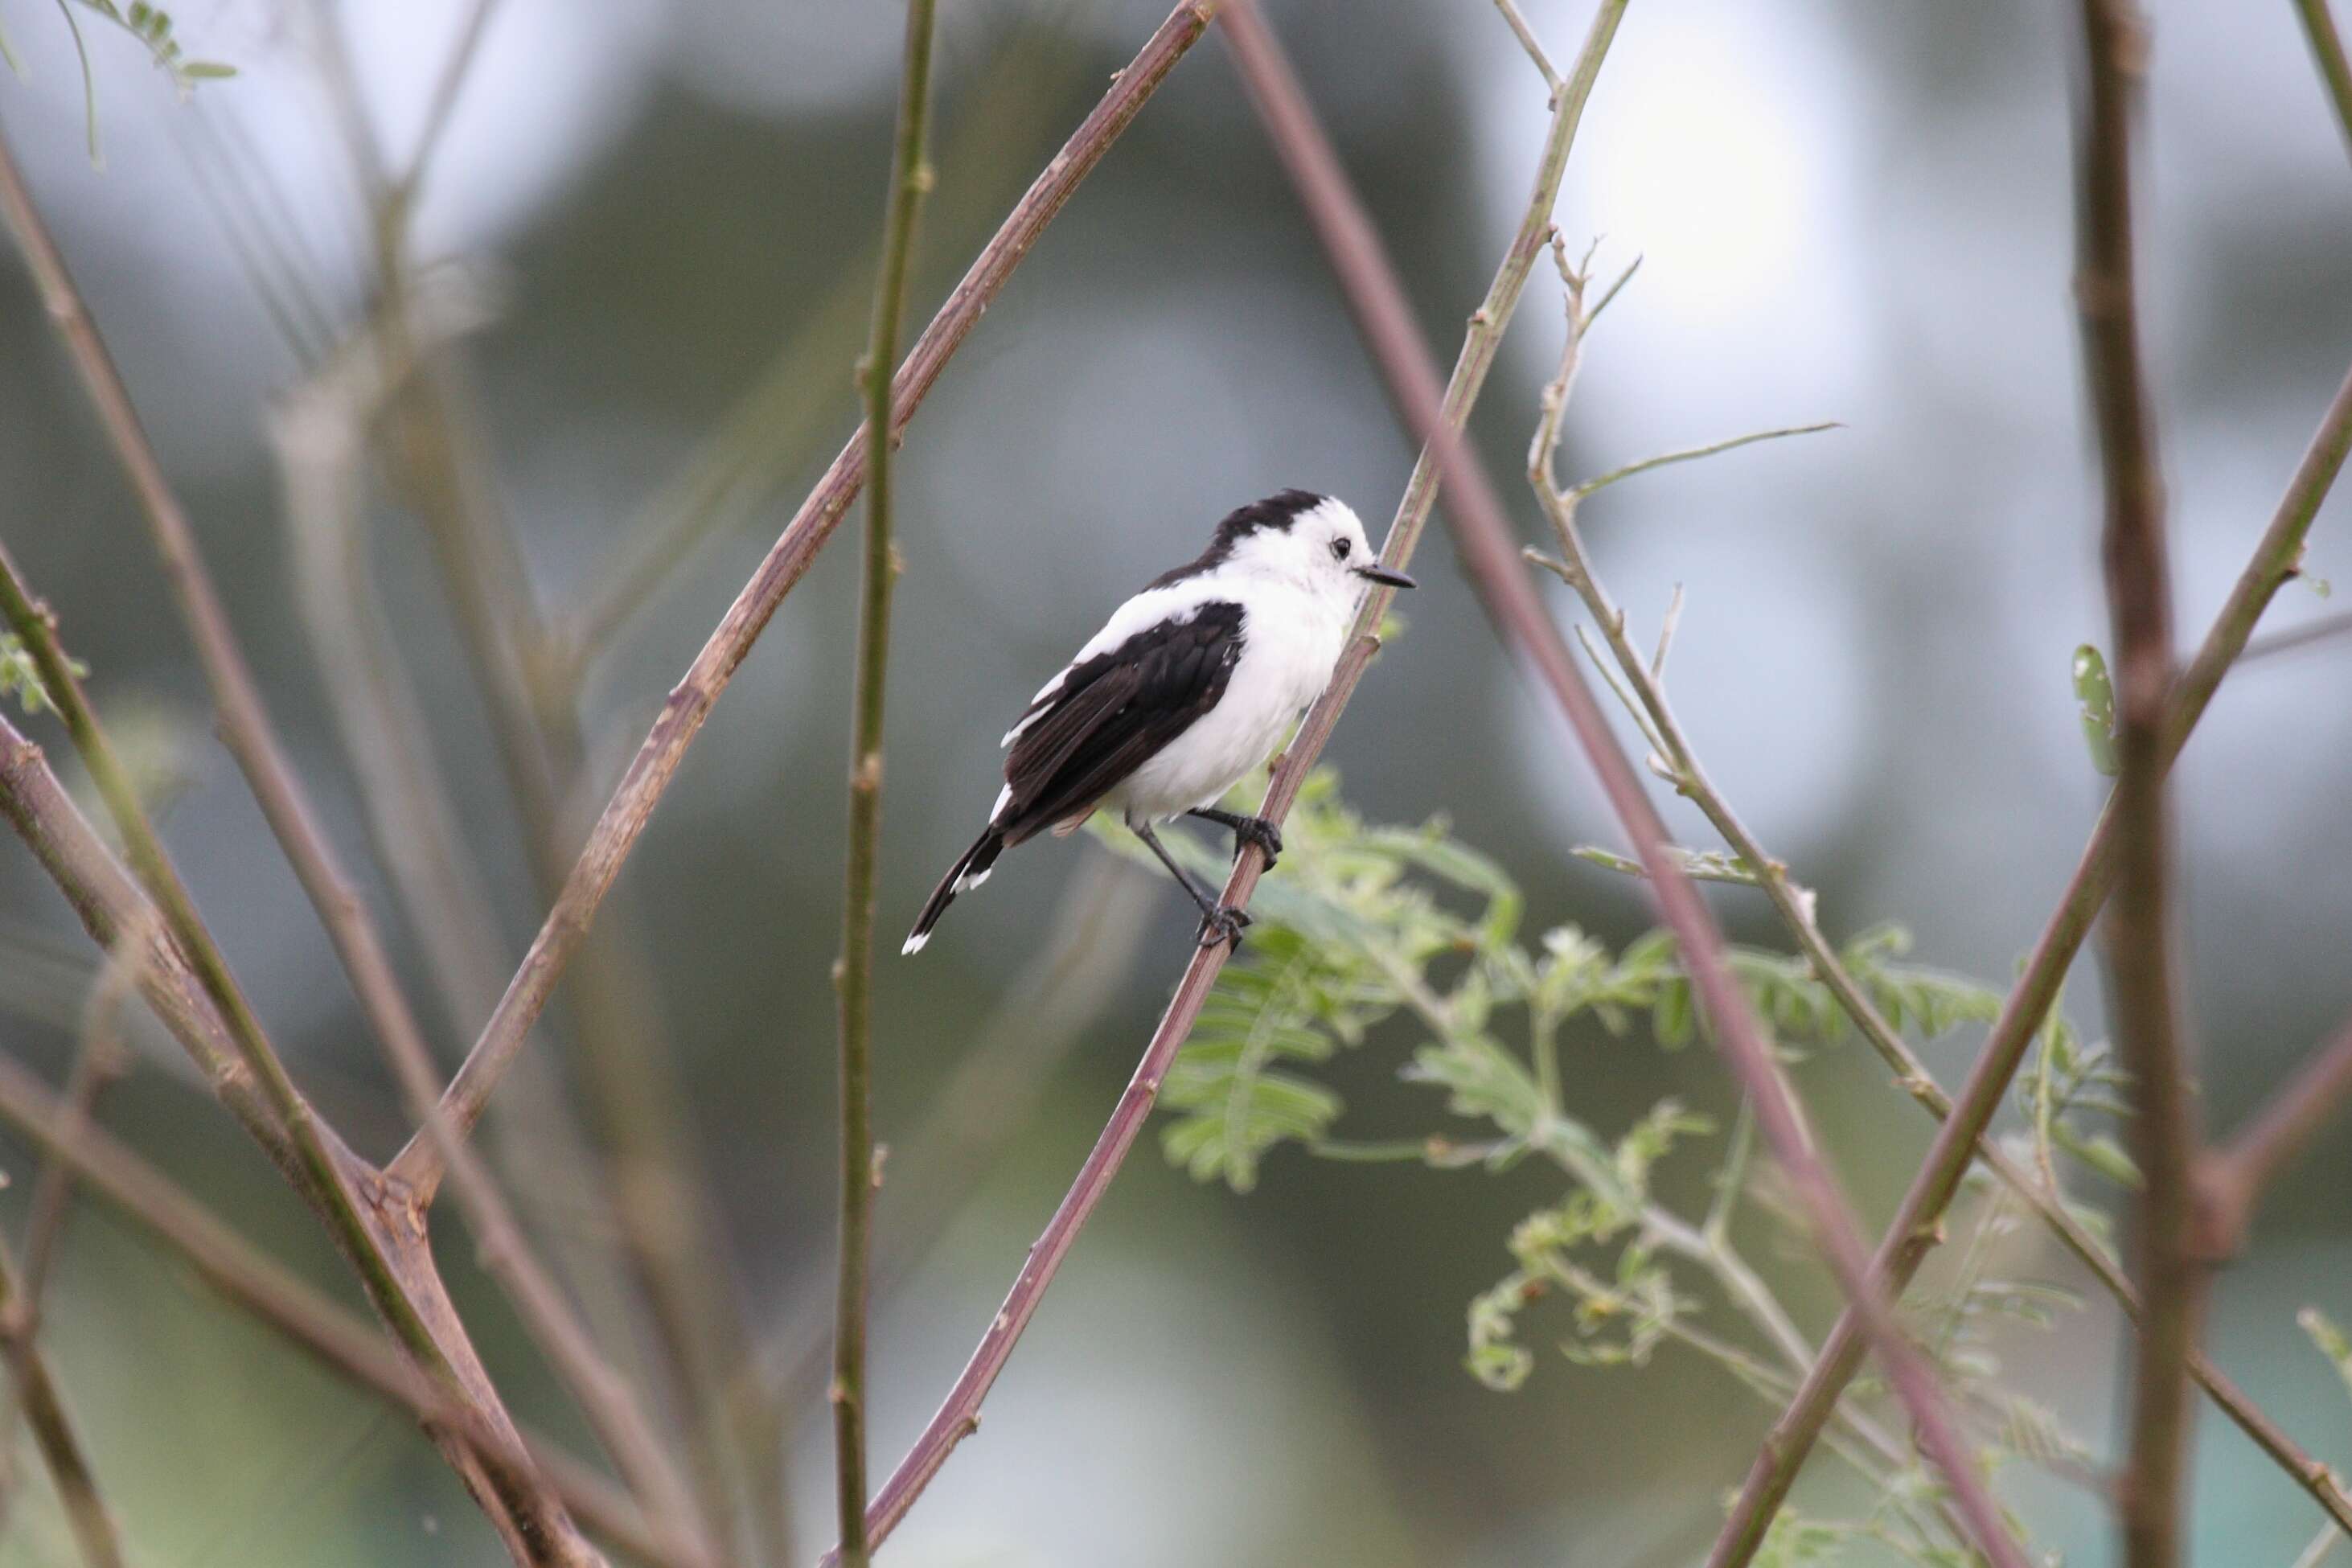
914	944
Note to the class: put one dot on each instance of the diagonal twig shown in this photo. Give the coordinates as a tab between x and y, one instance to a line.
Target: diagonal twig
341	1342
690	702
52	1426
958	1416
2327	54
393	1264
2229	1181
2275	560
1795	907
1484	538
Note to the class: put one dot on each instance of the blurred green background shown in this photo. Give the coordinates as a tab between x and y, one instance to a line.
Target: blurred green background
1848	209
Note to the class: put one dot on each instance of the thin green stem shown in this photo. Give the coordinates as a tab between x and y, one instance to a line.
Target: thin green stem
910	177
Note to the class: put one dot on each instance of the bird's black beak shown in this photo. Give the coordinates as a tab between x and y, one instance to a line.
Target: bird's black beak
1382	575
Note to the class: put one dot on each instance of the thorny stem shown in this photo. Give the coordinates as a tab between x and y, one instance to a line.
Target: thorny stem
958	1414
1484	538
910	177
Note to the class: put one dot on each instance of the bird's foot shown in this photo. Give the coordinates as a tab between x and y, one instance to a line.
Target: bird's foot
1226	925
1257	830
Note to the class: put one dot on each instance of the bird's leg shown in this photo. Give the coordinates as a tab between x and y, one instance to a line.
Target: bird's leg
1219	922
1254	830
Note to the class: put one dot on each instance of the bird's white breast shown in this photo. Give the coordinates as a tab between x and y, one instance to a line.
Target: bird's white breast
1291	640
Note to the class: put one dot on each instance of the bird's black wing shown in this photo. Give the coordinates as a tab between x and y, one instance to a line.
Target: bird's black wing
1112	712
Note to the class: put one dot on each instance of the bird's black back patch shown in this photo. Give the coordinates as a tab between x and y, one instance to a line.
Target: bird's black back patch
1113	712
1278	511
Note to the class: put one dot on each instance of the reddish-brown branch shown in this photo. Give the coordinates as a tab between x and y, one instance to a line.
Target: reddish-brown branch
2229	1182
689	703
338	1340
1486	542
2140	937
1910	1235
959	1415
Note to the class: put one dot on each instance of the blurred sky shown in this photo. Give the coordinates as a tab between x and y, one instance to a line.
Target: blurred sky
1845	210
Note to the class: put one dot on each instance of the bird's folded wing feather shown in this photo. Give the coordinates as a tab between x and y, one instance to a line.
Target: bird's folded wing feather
1112	713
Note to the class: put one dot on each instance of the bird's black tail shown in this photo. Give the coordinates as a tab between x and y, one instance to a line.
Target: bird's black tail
971	869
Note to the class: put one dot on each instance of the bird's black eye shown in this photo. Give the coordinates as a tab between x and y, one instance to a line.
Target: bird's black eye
1339	548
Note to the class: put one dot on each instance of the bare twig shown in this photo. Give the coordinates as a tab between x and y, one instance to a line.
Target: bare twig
443	105
244	723
390	1256
327	440
910	177
2141	937
1794	906
1484	537
319	1168
319	434
2229	1182
53	1429
1910	1235
2327	54
341	1342
2289	638
959	1415
649	772
99	1058
244	726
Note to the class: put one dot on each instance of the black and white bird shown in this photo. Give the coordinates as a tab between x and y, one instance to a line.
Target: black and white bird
1193	682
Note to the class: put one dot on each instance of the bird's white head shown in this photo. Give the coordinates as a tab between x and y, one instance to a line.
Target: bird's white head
1297	537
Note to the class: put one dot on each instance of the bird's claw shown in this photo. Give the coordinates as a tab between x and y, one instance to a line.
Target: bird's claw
1257	830
1225	925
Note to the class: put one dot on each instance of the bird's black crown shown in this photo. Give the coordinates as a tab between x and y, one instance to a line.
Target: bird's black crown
1276	511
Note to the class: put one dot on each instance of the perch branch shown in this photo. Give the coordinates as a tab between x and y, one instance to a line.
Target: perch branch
959	1415
1483	535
